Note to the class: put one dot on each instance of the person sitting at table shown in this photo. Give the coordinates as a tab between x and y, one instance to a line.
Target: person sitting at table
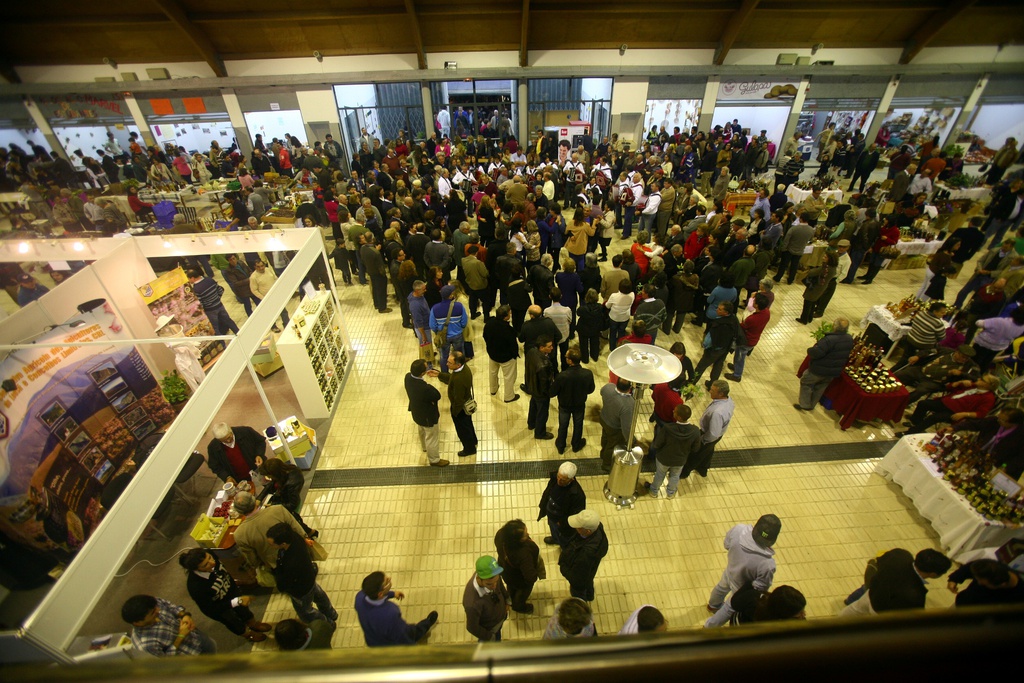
143	210
1001	436
965	399
926	331
930	372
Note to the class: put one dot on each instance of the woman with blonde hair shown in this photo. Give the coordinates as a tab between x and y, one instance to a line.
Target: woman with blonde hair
577	234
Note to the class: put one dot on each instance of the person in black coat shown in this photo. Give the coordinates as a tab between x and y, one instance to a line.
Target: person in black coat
590	322
994	583
580	559
502	350
828	358
520	558
722	334
572	386
423	400
285	482
562	498
234	452
218	597
295	575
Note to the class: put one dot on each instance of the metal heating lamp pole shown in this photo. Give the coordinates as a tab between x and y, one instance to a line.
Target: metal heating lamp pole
643	365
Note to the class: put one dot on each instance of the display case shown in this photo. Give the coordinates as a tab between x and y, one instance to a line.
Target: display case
315	354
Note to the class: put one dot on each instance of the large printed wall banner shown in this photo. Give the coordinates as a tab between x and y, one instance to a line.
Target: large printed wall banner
755	90
74	421
672	113
171	294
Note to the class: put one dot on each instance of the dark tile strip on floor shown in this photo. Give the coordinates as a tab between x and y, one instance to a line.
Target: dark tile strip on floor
540	469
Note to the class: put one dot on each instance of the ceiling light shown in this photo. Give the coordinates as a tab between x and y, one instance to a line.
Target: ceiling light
78	246
219	242
167	244
23	248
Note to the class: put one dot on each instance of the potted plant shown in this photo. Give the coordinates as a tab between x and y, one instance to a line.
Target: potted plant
823	329
175	390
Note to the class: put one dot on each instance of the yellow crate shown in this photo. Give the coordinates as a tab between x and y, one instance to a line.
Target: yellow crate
218	525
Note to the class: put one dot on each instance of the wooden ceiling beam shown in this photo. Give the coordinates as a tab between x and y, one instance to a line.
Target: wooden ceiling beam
295	16
932	26
111	20
524	33
417	37
195	35
737	20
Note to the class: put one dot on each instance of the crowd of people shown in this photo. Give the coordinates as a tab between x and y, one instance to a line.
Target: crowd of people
470	228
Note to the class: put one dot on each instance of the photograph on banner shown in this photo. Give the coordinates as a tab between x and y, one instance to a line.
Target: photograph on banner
671	114
74	421
171	294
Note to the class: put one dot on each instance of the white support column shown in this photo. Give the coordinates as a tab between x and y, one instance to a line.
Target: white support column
44	126
237	121
967	113
524	114
428	112
794	113
883	107
320	113
707	104
139	119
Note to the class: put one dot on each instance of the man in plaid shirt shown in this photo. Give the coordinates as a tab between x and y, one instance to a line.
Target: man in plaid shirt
164	630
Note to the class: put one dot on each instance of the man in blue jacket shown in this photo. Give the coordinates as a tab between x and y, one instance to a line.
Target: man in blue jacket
828	358
381	619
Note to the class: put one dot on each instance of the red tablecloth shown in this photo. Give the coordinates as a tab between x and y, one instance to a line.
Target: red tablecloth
853	403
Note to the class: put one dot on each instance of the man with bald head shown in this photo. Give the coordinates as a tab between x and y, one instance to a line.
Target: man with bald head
537	326
828	358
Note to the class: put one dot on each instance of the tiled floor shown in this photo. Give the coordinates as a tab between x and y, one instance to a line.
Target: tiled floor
835	514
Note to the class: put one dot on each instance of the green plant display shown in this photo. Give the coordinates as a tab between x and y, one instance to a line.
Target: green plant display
174	388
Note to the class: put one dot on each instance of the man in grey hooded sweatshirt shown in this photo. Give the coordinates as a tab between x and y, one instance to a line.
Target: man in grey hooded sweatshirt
751	559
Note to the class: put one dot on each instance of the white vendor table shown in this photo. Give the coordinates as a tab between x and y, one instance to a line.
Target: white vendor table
975	193
918	247
960	527
796	195
881	316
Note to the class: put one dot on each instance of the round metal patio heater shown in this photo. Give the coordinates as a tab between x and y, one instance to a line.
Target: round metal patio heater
644	365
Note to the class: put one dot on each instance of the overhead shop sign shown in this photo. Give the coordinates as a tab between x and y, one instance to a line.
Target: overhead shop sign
80	106
755	90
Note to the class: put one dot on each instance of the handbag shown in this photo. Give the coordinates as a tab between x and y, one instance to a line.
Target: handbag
470	406
317	551
441	338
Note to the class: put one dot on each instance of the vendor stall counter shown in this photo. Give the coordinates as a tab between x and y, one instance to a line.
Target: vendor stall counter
960	527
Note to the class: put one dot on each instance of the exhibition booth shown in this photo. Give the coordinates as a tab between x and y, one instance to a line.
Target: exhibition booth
191	122
757	105
83	372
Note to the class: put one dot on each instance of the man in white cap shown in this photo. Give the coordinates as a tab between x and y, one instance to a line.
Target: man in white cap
486	601
751	560
581	558
562	498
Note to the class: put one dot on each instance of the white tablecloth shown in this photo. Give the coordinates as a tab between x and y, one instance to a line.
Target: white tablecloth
916	247
796	195
974	193
960	527
881	316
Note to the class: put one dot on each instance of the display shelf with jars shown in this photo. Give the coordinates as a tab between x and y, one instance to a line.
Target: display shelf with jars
315	355
866	370
973	473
